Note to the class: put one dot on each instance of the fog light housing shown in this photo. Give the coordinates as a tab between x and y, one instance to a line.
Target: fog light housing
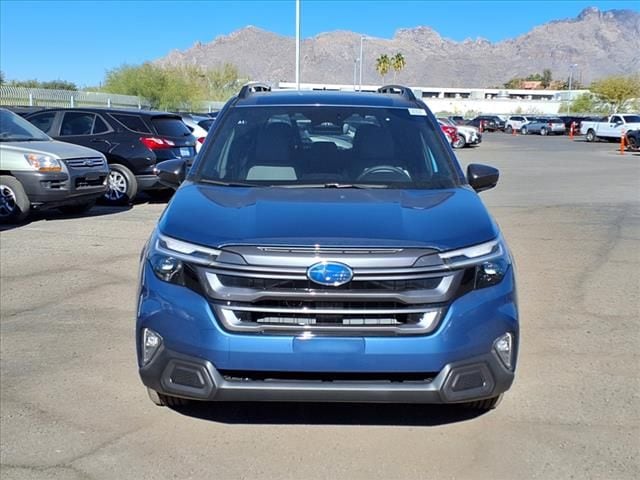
503	346
151	342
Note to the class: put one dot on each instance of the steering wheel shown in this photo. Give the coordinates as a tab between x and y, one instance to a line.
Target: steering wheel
381	169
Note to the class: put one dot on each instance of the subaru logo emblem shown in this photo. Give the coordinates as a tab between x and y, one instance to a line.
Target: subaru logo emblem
331	274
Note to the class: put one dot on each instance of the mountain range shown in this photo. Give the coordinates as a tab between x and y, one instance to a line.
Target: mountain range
601	43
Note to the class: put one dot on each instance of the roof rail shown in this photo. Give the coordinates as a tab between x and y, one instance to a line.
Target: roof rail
253	87
398	89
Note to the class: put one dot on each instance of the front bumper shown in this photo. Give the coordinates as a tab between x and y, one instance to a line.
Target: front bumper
53	189
224	365
180	375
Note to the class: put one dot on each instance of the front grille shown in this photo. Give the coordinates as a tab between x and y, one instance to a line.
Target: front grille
266	290
85	163
307	285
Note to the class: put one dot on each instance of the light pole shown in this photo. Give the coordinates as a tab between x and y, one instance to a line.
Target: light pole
298	44
355	73
571	67
362	37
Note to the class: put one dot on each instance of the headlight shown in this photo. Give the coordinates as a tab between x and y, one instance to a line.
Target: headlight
43	163
491	261
170	258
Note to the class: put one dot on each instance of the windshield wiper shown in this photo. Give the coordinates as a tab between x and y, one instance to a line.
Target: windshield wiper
226	184
335	185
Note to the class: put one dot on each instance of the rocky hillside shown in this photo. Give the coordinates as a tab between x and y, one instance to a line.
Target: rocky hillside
601	43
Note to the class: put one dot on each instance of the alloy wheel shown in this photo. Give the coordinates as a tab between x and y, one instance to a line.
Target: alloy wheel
117	186
8	205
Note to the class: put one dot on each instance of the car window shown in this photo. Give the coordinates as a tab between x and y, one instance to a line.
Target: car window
206	124
170	126
43	121
311	145
132	122
632	118
616	119
77	123
14	128
100	126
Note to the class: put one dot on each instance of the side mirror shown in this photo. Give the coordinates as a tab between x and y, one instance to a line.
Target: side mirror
482	177
171	172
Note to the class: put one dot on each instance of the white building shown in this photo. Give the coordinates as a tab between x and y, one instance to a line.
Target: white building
466	100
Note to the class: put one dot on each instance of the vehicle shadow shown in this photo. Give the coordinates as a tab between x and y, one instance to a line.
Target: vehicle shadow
53	214
362	414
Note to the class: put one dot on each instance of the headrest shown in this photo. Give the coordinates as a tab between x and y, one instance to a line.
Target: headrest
372	141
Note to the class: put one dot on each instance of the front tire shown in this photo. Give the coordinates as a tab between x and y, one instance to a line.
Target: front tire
460	141
591	136
162	400
484	405
524	130
509	129
543	132
14	202
122	185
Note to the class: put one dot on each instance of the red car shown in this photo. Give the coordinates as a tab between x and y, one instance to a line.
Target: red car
450	132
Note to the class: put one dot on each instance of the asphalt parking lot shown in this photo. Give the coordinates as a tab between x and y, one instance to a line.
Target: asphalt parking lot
73	407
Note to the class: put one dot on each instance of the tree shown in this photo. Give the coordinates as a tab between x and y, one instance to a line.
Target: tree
383	64
546	78
514	83
585	103
398	63
617	91
173	88
2	77
53	84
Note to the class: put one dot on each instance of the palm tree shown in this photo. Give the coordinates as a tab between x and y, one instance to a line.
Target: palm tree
383	64
398	63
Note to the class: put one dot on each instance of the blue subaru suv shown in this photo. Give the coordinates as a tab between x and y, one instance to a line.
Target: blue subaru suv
327	246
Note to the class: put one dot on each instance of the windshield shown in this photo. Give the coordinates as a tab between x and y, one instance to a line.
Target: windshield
328	146
14	128
632	118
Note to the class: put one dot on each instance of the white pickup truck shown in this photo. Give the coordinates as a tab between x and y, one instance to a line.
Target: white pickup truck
610	128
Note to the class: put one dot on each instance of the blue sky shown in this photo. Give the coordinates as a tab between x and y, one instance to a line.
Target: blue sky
79	40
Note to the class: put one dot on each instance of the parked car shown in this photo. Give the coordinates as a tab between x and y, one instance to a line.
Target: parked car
487	123
133	141
37	172
199	127
570	120
328	267
609	128
543	126
450	132
515	122
457	119
491	123
466	136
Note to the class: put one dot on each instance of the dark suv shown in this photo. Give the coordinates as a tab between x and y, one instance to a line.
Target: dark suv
132	141
489	123
326	246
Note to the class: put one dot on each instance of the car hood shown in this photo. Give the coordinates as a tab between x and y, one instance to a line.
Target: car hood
218	216
58	149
